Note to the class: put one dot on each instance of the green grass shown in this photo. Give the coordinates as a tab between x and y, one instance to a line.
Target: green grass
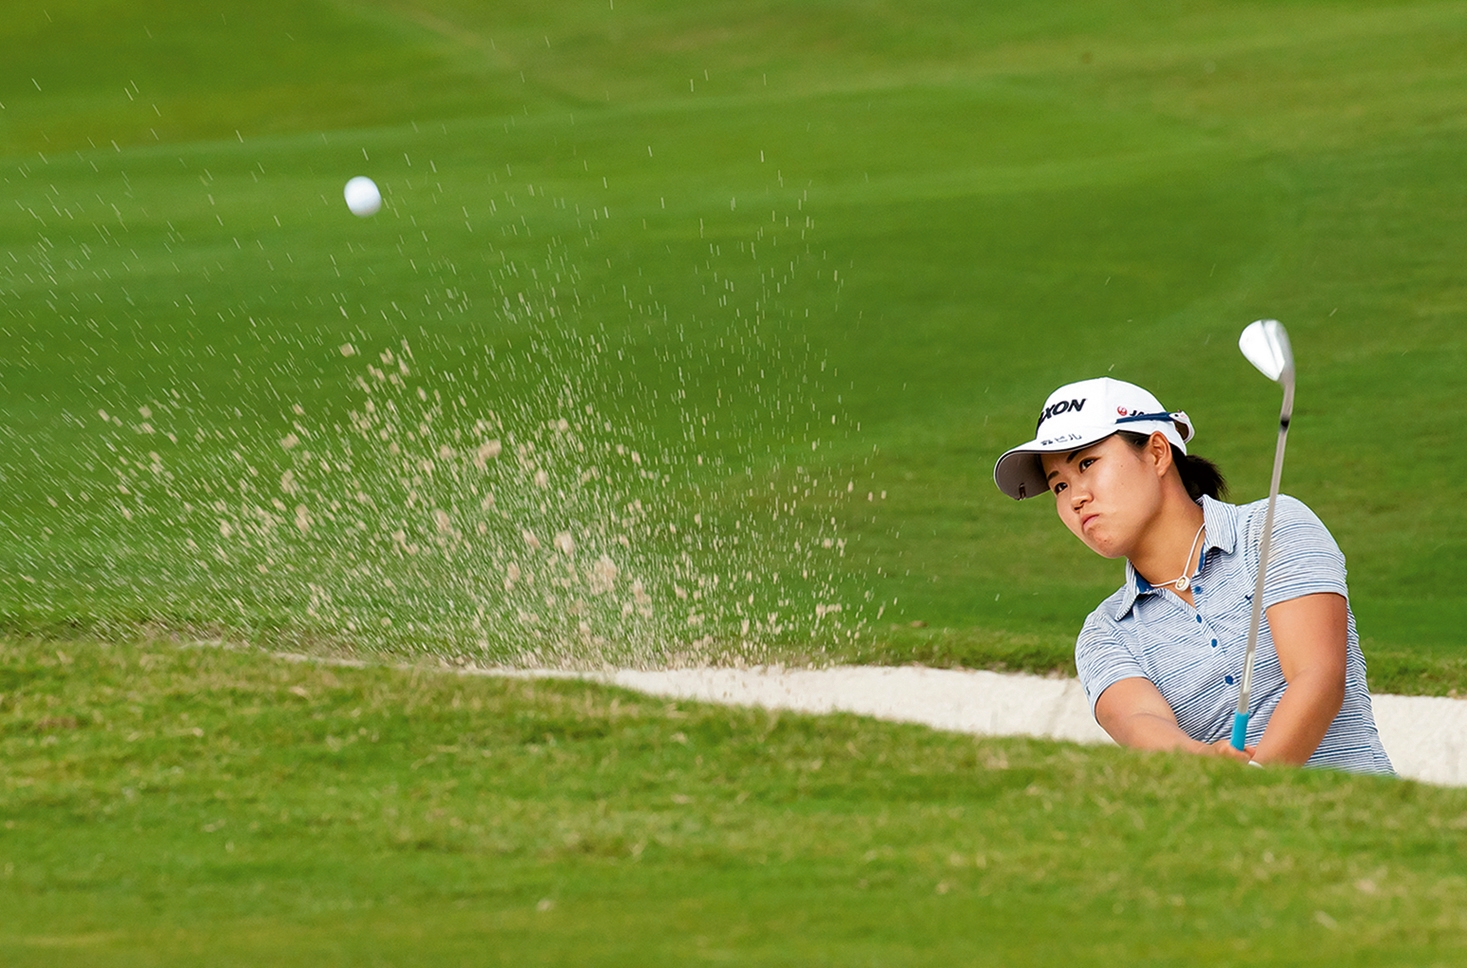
792	255
176	805
914	218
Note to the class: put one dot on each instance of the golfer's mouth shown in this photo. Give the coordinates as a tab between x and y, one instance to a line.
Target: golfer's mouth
1086	519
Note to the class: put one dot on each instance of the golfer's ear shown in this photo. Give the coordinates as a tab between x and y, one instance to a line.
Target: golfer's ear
1160	450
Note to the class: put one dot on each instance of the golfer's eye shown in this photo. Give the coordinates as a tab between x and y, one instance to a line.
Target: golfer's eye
1087	461
1059	486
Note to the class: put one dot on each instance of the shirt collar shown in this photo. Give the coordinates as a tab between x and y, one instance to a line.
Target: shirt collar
1221	533
1134	588
1221	519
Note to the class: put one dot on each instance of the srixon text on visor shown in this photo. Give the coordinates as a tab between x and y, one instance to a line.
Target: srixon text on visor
1059	407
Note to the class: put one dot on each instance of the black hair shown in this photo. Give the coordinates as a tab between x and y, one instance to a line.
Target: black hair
1199	475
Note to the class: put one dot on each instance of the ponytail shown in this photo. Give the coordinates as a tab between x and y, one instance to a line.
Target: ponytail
1199	475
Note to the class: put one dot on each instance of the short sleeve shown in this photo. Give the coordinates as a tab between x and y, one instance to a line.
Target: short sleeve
1303	556
1102	660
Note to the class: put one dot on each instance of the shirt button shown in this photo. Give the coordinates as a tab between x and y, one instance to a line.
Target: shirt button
1214	643
1228	680
1197	589
1199	620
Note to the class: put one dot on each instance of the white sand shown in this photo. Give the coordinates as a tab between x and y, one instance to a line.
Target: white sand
1426	737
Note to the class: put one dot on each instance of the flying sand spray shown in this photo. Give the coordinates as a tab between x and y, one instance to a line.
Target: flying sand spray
1266	345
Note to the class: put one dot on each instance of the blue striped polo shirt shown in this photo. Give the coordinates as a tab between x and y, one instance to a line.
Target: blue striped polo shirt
1194	656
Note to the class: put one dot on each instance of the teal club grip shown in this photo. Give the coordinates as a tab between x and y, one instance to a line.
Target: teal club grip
1240	730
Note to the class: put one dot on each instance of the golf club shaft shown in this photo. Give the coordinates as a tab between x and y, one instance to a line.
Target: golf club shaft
1245	687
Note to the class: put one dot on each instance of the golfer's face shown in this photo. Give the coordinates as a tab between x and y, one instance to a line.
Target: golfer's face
1105	493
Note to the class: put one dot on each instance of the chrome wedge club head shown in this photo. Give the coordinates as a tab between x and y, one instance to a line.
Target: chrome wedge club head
1266	345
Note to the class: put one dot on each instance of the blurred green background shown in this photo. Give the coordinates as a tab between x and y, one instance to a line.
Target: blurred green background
711	275
916	219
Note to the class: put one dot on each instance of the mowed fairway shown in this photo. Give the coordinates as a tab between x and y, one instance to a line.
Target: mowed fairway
725	227
689	331
167	806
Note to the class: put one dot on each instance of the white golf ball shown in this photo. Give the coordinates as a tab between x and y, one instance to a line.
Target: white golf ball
362	197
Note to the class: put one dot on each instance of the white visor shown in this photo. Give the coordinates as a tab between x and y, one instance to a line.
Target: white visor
1078	415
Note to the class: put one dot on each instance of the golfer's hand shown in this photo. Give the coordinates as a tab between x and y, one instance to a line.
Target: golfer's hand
1224	748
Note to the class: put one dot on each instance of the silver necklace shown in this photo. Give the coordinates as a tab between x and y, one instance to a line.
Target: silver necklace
1183	583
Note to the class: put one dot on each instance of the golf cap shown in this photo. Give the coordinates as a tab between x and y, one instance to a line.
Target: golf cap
1078	415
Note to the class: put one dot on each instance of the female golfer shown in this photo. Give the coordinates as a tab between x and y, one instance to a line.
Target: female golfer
1160	659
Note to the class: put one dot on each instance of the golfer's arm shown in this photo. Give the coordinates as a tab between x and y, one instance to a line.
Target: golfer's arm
1310	635
1134	713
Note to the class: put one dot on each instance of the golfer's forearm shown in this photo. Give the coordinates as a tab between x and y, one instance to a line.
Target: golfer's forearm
1144	731
1302	717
